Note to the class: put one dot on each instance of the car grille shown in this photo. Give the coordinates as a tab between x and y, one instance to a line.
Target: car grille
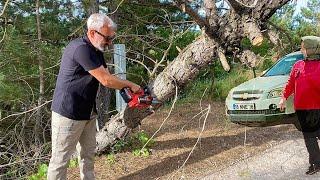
249	92
247	95
265	111
247	99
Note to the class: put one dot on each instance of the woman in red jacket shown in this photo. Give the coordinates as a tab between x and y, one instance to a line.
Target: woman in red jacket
304	83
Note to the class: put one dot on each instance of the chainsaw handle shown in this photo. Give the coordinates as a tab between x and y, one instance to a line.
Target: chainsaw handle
126	94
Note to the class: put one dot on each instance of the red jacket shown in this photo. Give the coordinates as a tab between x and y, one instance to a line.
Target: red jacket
304	82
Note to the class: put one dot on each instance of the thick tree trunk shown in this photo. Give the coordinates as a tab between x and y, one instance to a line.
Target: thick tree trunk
222	35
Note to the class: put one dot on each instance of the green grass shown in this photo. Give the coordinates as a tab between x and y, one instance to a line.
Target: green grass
214	90
222	86
41	174
111	159
73	163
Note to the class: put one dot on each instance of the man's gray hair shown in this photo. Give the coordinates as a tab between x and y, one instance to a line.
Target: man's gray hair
97	21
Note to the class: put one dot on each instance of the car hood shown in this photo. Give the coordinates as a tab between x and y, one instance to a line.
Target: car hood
263	83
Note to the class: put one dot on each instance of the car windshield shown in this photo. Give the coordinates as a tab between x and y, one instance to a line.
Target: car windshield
284	65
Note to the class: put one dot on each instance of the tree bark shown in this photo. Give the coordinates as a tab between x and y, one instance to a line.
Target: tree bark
185	67
38	128
221	34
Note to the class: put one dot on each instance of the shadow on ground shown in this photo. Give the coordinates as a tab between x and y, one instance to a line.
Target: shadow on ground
207	149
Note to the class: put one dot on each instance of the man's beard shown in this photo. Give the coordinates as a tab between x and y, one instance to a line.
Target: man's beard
102	48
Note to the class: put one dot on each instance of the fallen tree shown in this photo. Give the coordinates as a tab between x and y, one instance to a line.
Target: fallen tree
221	35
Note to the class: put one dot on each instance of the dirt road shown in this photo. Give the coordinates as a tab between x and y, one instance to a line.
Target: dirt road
287	160
221	147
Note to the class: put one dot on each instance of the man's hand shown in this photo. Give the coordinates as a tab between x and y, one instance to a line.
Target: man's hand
135	88
282	104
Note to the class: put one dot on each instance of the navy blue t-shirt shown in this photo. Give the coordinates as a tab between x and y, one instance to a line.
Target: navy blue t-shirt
76	89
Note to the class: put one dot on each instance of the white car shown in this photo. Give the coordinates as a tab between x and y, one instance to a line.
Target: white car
255	102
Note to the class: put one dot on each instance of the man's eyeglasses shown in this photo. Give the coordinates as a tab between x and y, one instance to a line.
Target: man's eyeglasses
107	38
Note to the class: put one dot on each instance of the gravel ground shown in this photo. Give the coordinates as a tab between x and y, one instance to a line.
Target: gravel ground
287	160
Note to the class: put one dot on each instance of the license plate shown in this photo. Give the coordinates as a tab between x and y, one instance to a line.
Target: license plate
244	106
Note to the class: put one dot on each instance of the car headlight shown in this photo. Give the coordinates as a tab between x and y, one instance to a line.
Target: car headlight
275	93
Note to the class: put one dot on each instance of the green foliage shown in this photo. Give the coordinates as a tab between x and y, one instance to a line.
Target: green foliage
120	145
267	61
309	19
261	50
73	163
143	138
195	91
135	142
137	73
215	83
293	27
140	140
41	174
144	152
111	158
223	86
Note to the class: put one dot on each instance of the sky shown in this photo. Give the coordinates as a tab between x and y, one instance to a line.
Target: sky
300	4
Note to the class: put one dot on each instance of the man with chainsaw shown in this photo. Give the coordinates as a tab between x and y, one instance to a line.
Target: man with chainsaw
82	69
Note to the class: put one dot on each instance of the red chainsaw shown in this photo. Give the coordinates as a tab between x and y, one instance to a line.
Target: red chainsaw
139	100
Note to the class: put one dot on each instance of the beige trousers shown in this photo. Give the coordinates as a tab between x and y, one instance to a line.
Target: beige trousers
68	135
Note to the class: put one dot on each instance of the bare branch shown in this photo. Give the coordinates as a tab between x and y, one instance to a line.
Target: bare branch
4	7
78	29
30	110
235	5
211	14
272	8
116	8
165	119
285	32
165	52
186	8
143	55
4	34
24	160
223	59
154	5
249	58
253	32
238	5
205	114
139	62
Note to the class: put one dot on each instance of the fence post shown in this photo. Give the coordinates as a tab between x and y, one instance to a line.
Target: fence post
120	71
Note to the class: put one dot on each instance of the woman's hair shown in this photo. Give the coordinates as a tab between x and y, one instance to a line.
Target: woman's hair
97	21
312	46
